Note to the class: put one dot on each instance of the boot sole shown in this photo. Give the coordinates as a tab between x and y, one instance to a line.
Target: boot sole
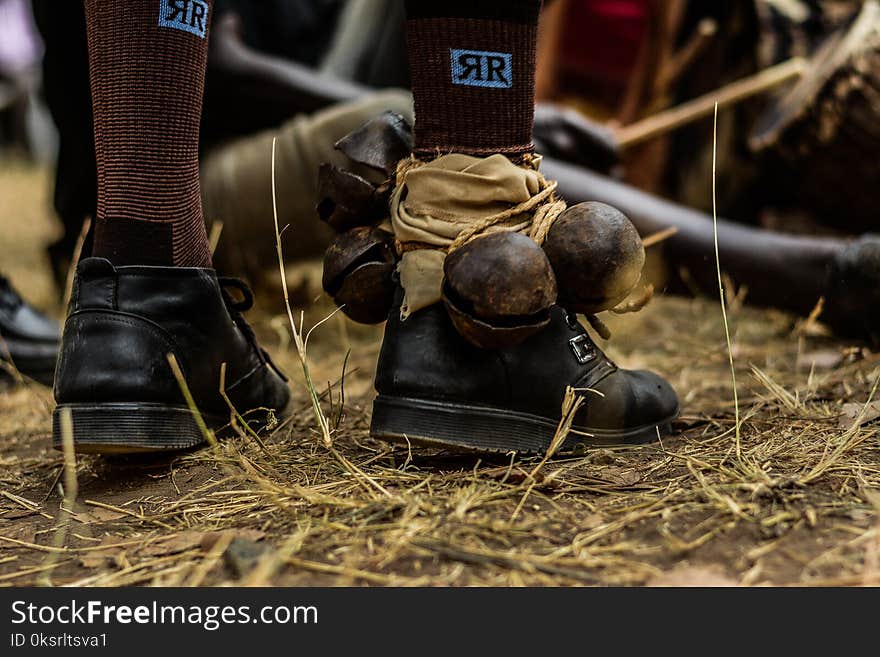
135	428
487	429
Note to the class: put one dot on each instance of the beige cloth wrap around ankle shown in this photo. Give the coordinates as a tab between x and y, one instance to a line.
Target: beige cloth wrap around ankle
440	205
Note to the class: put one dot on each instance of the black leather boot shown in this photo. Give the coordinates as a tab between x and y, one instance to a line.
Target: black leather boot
28	338
113	371
437	389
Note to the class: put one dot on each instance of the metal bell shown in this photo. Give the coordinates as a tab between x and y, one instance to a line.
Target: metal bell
358	267
597	256
498	289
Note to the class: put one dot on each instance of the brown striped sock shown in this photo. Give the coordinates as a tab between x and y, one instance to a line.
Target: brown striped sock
147	66
472	64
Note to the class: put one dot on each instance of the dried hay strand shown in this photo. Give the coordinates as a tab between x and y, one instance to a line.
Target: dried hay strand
798	508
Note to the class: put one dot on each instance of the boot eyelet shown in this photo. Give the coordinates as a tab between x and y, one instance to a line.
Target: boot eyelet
582	348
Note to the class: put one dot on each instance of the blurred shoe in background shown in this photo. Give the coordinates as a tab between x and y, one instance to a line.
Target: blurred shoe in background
28	339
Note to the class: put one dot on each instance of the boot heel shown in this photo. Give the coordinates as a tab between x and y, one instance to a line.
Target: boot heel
129	428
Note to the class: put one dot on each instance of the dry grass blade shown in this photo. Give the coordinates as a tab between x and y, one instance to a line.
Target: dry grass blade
24	572
570	406
721	284
320	418
788	400
190	402
851	439
237	421
214	237
71	490
214	555
271	563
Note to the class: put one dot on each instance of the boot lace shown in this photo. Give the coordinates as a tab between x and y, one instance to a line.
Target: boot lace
236	308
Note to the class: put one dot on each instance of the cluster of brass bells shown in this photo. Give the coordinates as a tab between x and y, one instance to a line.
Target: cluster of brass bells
359	263
498	288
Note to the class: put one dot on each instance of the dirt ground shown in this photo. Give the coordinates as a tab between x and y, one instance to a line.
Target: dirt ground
791	500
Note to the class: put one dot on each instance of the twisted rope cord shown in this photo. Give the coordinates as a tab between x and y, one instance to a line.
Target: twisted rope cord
544	207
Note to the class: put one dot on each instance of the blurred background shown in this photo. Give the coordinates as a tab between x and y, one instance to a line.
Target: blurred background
309	71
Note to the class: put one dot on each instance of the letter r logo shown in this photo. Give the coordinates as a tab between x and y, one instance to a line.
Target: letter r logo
185	15
479	68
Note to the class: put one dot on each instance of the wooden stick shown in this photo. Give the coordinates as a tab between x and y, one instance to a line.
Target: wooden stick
658	237
693	48
675	118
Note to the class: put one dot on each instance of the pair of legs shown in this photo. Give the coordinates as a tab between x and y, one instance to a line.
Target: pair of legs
149	318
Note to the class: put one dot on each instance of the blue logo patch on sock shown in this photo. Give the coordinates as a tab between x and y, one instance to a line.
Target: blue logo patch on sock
186	15
478	68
